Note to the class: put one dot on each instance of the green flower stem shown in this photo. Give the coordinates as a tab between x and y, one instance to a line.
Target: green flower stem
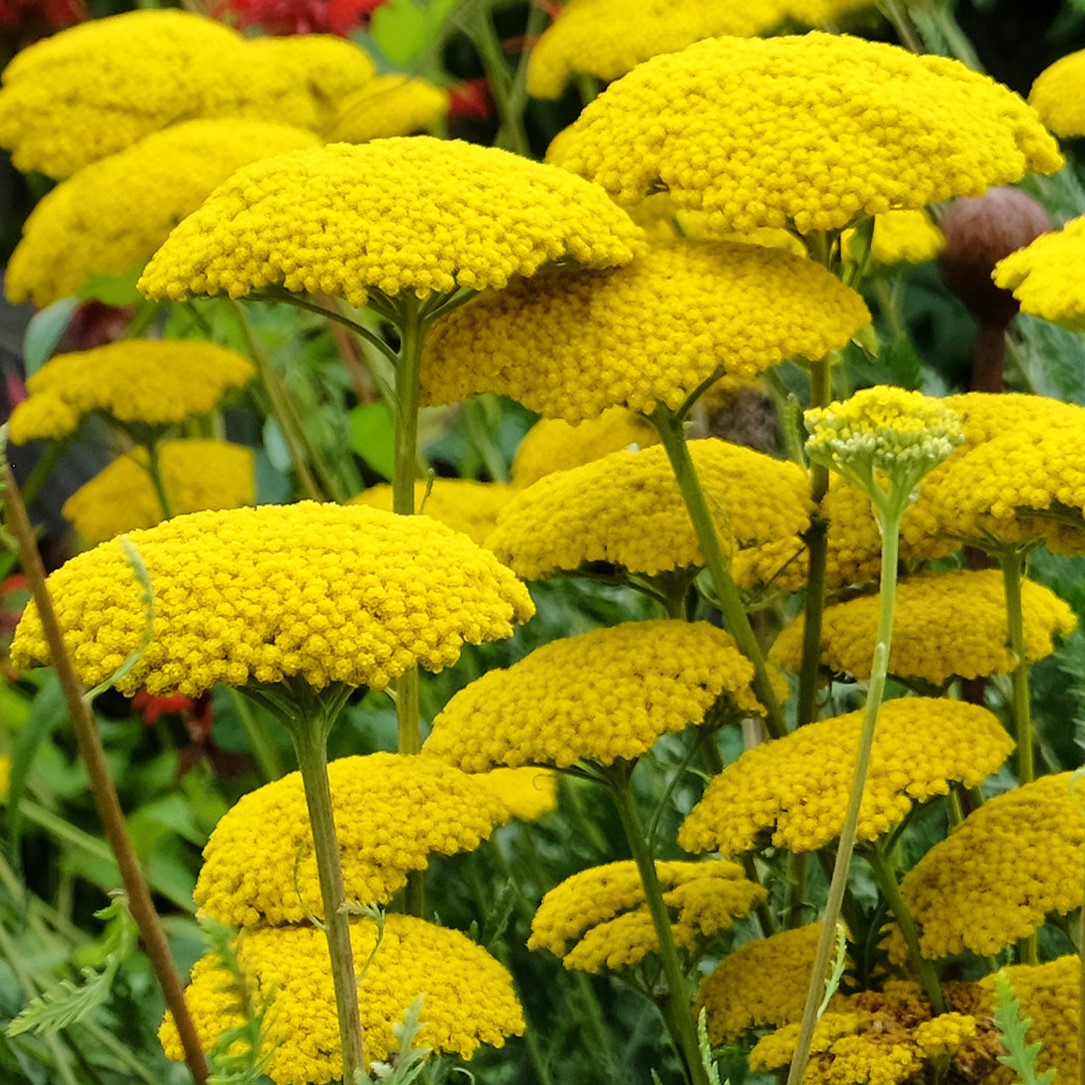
795	889
889	516
263	749
506	87
101	784
310	734
1012	562
817	546
669	427
898	19
886	878
154	469
677	1004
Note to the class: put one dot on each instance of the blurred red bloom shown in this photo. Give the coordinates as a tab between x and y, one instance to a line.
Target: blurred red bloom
470	100
296	16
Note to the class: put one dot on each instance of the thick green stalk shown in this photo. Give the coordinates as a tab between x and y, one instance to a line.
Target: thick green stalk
1013	570
310	743
890	525
669	427
677	1010
887	882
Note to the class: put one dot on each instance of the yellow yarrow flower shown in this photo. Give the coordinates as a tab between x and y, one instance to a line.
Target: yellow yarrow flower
388	105
463	504
626	509
651	332
391	813
599	919
113	214
133	382
553	444
323	592
1056	95
809	132
468	996
793	791
1045	276
607	38
995	878
761	983
1050	999
945	625
101	86
197	475
600	696
529	793
412	213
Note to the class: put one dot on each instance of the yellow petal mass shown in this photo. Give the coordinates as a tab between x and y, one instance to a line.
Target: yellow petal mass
811	132
411	213
794	790
1045	276
599	696
651	332
388	105
1057	95
324	592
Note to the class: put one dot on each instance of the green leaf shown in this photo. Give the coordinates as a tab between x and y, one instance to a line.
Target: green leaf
373	437
112	289
44	332
1020	1055
405	29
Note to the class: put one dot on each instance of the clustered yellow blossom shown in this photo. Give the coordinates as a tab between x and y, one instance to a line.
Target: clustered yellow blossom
552	444
324	592
113	214
810	132
388	105
793	791
878	1038
411	213
196	475
607	38
468	996
391	813
901	237
529	793
649	333
626	509
599	919
599	696
98	87
144	382
463	504
1044	276
763	982
945	625
1050	999
1056	95
1013	861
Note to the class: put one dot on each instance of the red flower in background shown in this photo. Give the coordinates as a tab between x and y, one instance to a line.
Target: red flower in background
297	16
49	14
470	100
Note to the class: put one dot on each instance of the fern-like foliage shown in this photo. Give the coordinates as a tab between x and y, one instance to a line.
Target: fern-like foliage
1020	1055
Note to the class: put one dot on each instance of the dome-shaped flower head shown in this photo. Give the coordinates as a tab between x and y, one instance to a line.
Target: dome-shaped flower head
1057	95
607	38
883	440
793	791
945	625
1049	996
323	592
553	444
529	793
388	105
468	996
463	504
196	475
761	983
626	509
599	919
412	213
102	85
134	383
1046	278
810	132
570	346
600	696
997	876
391	813
113	214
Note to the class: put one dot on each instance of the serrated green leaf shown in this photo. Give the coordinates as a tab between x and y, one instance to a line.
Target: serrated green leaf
64	1006
44	332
